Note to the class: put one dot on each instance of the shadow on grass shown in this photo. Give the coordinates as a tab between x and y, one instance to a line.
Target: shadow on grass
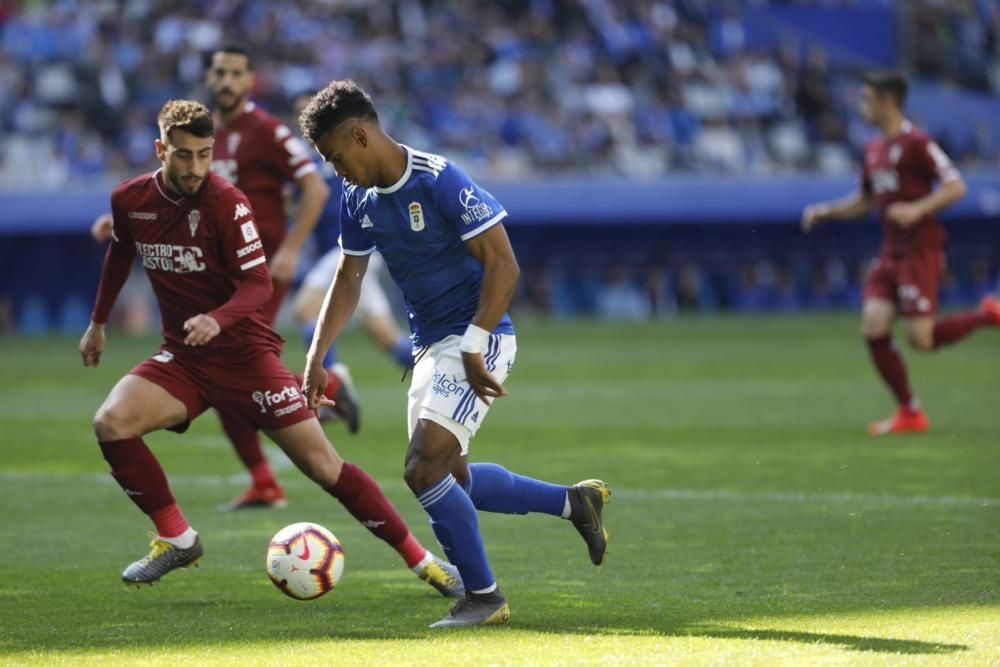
850	642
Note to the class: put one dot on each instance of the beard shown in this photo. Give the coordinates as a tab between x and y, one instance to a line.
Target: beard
185	187
237	101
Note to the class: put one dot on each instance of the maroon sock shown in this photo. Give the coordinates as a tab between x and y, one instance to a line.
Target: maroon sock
890	366
363	498
139	474
955	328
246	442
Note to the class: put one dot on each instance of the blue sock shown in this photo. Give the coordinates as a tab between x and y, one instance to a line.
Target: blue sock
403	352
308	331
456	526
493	488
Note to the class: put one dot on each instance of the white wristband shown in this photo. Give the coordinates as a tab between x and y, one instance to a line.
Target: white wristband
474	340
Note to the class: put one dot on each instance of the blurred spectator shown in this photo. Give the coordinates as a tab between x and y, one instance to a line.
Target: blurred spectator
512	89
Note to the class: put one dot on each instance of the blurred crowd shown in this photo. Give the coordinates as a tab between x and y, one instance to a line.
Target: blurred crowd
636	88
700	285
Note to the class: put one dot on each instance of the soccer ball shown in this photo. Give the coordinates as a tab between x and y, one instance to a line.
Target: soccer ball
305	560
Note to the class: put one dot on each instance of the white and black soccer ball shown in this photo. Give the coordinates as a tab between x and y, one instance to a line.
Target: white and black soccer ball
305	560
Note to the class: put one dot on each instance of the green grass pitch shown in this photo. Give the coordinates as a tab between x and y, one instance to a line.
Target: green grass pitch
753	521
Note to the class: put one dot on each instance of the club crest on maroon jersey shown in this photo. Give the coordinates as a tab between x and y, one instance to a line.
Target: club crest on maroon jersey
194	217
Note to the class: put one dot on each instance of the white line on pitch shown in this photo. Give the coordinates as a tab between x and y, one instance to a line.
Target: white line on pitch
718	495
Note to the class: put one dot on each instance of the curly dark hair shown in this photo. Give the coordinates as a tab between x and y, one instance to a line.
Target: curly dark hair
328	108
187	115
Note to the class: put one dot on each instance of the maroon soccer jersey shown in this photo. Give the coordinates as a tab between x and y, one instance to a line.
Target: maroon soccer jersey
202	254
257	153
903	168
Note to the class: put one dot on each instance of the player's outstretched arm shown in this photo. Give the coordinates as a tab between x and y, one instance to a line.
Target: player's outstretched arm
500	273
856	205
315	192
114	273
338	306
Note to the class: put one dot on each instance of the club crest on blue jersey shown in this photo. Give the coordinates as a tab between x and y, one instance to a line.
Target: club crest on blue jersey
416	216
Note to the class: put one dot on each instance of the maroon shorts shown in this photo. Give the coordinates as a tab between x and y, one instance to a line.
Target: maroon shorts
910	281
257	389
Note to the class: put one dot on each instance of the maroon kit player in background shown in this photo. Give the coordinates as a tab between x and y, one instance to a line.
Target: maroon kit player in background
259	154
900	168
199	244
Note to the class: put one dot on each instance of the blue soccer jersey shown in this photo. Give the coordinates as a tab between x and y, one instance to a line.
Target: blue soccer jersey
420	225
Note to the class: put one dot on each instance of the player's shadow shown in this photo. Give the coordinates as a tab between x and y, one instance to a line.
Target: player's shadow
849	642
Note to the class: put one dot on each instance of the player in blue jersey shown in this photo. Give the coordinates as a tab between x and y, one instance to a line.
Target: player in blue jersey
441	237
374	311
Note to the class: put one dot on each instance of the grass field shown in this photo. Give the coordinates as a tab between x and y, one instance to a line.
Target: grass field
753	521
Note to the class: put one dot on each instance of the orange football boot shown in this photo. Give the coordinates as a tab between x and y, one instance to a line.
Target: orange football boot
904	420
990	307
272	496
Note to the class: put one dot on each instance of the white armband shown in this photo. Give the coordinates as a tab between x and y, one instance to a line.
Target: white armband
474	340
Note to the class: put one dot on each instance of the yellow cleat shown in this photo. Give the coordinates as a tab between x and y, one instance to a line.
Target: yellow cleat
162	559
444	577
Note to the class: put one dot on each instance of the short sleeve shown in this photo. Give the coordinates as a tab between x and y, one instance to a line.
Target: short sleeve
291	154
471	208
353	238
934	161
120	232
242	248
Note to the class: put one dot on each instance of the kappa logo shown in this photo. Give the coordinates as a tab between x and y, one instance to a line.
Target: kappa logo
141	215
241	211
249	231
194	217
416	216
233	141
366	222
372	524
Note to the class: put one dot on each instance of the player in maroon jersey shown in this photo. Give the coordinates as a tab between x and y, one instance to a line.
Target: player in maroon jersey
898	176
198	241
259	154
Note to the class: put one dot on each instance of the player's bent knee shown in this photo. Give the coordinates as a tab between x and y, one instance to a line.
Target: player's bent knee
112	423
874	328
421	474
921	342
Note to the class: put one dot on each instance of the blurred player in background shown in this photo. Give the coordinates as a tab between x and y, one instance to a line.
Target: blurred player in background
261	156
898	176
198	242
443	241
